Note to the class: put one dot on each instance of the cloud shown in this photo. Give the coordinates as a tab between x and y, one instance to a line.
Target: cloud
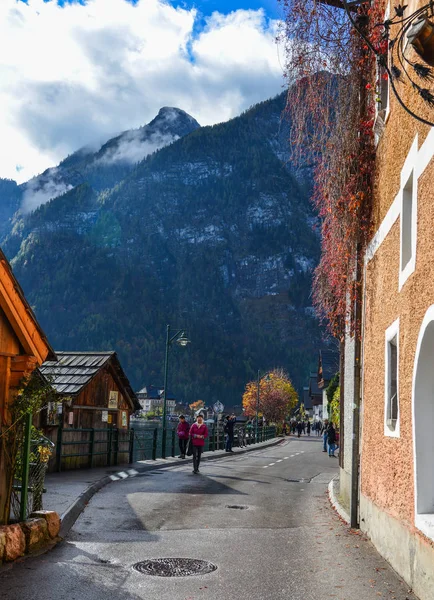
75	75
131	148
41	190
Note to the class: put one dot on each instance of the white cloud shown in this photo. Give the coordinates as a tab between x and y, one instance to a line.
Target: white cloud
38	192
76	75
132	149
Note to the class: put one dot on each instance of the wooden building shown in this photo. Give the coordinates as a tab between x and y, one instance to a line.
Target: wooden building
90	421
93	389
23	347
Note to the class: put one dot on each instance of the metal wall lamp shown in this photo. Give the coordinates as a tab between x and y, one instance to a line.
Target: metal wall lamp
418	30
421	37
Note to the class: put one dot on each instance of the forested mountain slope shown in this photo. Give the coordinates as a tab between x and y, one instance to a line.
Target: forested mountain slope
212	233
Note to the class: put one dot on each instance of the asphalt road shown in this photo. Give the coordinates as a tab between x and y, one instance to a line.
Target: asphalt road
262	518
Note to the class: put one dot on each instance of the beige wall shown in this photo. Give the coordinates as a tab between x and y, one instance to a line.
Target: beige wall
387	463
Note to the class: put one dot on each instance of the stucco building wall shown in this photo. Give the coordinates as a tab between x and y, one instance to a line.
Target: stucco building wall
387	479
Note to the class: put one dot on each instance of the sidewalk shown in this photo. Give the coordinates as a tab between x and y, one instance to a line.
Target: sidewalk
68	492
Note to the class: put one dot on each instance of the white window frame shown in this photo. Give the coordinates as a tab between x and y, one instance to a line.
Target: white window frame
391	333
408	171
380	120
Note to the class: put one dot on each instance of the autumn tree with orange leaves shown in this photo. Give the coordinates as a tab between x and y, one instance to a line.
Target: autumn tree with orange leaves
277	396
195	406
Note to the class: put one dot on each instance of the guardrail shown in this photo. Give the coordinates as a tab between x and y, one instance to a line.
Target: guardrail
78	448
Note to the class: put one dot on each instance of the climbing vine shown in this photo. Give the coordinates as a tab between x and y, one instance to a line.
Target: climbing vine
33	395
331	103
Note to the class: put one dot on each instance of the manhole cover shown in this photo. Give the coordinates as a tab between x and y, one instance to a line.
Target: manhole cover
238	506
174	567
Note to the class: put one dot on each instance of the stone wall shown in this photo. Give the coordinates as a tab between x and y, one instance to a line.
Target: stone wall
23	538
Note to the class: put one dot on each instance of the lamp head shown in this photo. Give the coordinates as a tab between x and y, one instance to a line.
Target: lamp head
421	37
183	340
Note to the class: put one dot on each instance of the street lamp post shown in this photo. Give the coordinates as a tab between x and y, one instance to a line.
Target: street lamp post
179	337
257	407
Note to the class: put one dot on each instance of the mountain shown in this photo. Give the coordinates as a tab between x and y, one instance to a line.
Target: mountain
10	201
212	233
115	159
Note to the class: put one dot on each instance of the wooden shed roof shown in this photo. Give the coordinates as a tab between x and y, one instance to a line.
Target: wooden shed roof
21	316
74	370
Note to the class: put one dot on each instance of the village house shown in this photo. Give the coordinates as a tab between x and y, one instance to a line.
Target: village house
328	366
23	347
151	400
93	394
395	484
315	395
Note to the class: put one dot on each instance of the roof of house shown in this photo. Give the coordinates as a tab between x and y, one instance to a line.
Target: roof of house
74	370
21	316
328	365
152	392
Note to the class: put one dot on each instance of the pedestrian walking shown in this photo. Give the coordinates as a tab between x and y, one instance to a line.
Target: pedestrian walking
229	432
284	428
182	432
324	435
198	435
308	428
331	439
303	427
299	429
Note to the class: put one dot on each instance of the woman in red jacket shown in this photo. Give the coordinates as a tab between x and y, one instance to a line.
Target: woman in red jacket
198	435
182	431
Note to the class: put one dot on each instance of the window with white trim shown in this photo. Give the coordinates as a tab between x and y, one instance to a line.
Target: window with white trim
391	408
382	92
407	223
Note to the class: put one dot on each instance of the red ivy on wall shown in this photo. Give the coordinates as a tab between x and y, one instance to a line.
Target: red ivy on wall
331	104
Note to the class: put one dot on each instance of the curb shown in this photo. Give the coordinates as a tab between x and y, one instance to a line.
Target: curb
70	516
335	502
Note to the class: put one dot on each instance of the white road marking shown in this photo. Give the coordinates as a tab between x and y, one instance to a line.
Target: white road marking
285	457
266	467
279	460
114	478
292	455
271	464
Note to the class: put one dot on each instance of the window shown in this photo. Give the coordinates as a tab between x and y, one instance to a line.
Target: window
407	218
408	215
382	106
391	409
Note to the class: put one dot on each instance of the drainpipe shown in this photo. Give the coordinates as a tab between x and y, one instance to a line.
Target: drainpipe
342	402
355	459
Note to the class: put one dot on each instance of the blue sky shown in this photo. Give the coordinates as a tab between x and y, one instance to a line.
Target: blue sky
271	7
76	72
206	7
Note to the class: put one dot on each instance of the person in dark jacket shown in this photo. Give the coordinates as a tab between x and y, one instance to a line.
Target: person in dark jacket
229	431
308	428
324	435
198	435
299	428
182	432
331	439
